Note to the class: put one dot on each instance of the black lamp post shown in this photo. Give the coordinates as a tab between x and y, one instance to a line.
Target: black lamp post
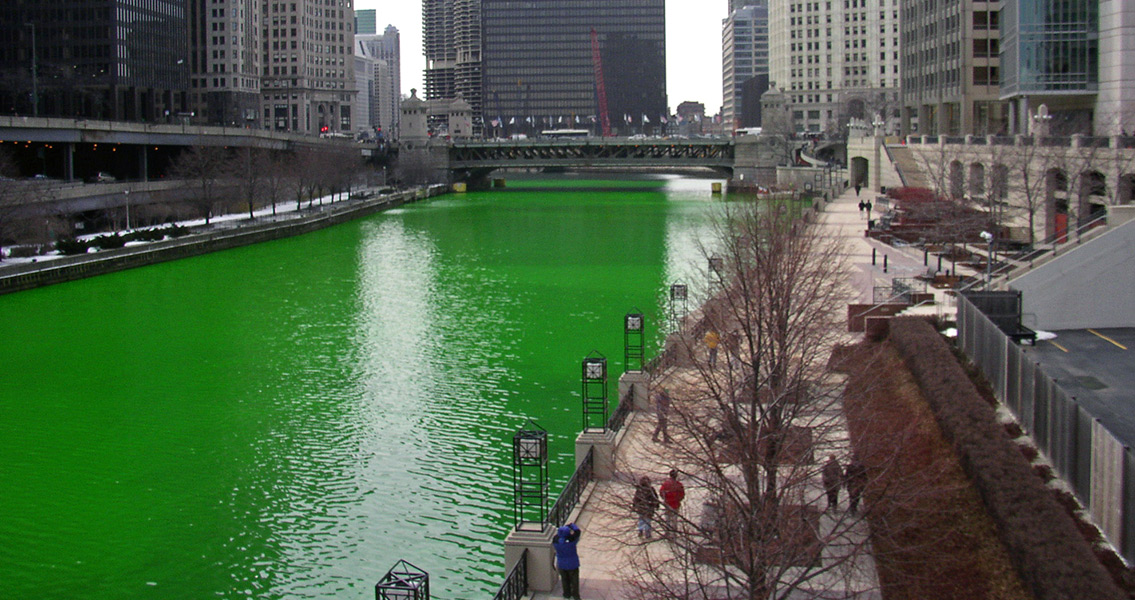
530	477
403	582
595	392
634	334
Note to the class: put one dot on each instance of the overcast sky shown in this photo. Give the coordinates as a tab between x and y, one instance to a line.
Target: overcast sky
693	46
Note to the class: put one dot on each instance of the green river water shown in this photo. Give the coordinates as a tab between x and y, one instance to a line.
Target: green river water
288	420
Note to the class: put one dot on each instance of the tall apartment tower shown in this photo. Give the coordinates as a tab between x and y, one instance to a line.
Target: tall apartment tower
951	68
386	50
439	47
225	61
123	60
744	43
836	60
538	68
308	82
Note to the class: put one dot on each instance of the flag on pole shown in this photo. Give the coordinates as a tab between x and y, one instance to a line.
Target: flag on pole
561	121
663	119
645	119
496	122
627	118
512	120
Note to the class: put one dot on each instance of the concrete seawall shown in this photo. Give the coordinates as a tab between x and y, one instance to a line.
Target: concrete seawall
29	276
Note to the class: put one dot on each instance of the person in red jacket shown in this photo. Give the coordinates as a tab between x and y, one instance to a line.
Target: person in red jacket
672	492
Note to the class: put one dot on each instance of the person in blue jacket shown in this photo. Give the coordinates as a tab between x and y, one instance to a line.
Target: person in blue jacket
567	559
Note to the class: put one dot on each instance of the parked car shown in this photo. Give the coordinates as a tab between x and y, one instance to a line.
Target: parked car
102	177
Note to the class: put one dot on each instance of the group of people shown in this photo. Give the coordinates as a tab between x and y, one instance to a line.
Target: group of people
836	476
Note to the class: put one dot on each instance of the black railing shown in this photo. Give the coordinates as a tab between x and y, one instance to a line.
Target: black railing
515	585
626	404
583	475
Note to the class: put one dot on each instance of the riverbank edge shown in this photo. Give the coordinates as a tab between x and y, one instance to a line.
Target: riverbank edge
19	278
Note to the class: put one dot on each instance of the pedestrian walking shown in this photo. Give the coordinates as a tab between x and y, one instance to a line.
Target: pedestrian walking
855	475
867	205
861	206
567	558
832	475
857	188
662	412
712	340
645	504
733	349
672	492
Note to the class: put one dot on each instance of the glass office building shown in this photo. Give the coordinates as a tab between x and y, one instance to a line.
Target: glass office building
1050	55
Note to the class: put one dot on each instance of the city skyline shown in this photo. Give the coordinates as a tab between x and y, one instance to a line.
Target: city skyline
693	48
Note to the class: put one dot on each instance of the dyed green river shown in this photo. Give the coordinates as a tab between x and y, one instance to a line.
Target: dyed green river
288	420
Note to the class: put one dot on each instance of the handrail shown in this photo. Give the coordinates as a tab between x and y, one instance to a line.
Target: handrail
1051	243
615	423
515	585
573	490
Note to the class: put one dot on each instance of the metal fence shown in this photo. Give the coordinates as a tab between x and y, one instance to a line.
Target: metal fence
515	585
622	411
1084	453
583	475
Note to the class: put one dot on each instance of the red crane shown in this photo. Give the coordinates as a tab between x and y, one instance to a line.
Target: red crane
597	61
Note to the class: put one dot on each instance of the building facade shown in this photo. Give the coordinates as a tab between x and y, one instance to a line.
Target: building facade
366	21
386	50
225	61
836	60
101	59
308	82
951	68
744	44
539	73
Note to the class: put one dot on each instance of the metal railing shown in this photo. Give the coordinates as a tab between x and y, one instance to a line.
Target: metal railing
573	490
626	404
515	585
1048	247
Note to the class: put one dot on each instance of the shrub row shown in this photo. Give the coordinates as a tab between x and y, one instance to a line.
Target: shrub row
1048	551
114	240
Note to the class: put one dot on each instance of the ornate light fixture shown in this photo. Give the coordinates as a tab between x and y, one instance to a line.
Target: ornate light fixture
595	392
530	477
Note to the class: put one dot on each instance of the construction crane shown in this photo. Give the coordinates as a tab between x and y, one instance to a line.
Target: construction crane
597	62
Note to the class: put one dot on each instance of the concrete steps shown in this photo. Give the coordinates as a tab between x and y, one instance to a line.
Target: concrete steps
907	166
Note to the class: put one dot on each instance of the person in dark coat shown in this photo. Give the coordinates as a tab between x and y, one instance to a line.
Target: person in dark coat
567	559
645	504
856	478
662	410
832	475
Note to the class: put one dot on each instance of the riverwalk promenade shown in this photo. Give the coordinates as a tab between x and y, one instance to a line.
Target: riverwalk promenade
610	542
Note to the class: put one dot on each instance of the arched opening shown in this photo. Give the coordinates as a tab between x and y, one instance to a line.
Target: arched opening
1056	205
957	179
977	182
859	172
999	191
1092	199
1126	190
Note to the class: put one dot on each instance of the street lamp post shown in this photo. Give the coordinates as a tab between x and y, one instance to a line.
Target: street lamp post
35	74
878	125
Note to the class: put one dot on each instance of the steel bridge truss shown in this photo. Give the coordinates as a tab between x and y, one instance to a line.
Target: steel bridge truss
716	154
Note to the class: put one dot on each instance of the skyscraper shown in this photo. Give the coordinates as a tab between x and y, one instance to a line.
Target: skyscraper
386	50
308	82
538	68
366	21
101	59
950	68
744	50
225	61
836	61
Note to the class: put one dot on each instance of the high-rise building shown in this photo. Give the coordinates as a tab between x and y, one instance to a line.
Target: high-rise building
950	68
385	49
225	61
836	61
538	69
366	21
308	81
101	59
1050	55
363	108
439	47
744	43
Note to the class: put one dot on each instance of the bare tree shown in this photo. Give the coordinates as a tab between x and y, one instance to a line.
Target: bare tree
205	168
753	424
252	169
277	177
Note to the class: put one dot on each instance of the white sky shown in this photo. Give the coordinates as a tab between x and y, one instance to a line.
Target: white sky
693	46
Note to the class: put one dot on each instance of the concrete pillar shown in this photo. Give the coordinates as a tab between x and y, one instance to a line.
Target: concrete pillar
636	380
144	163
602	445
69	161
541	574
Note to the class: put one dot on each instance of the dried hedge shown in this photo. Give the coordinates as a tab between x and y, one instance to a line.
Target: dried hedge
1048	551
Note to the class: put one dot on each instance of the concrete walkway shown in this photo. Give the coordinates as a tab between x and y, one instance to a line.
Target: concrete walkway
610	548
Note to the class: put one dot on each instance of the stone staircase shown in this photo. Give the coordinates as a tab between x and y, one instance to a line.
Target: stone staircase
907	165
